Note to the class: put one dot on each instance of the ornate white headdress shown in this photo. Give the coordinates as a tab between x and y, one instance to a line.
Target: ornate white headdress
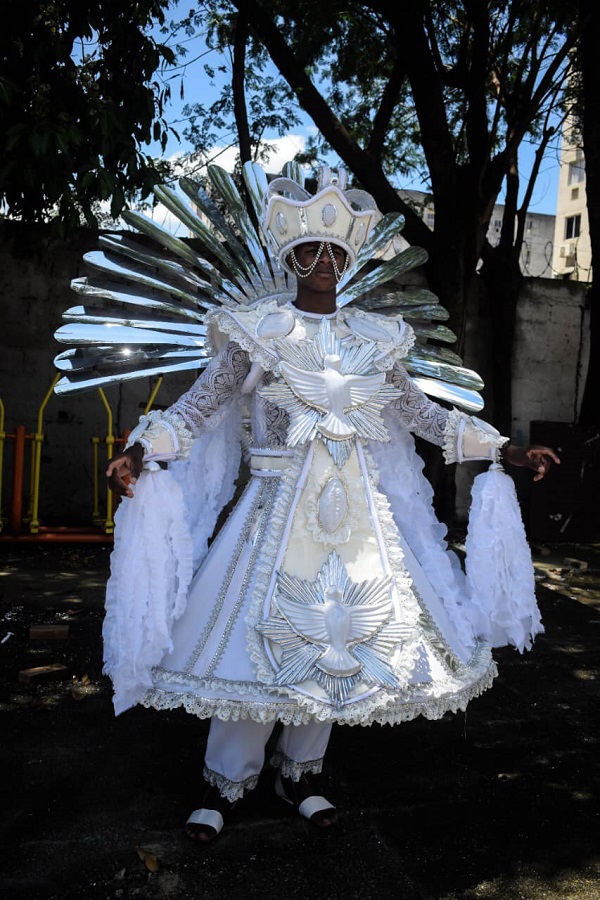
293	216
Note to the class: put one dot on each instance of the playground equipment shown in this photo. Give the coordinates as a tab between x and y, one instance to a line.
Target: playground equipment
20	525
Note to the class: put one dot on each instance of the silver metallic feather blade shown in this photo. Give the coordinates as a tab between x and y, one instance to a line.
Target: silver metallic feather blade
132	272
192	259
435	333
101	357
251	243
84	333
405	261
443	372
208	238
92	378
257	187
404	299
416	313
164	238
434	354
249	256
144	259
121	297
294	170
467	399
106	316
384	232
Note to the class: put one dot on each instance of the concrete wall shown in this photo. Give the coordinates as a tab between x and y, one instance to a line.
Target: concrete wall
551	355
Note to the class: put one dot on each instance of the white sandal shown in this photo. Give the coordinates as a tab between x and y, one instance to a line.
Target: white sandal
212	818
308	807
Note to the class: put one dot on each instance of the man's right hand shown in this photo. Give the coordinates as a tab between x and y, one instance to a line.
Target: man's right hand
124	470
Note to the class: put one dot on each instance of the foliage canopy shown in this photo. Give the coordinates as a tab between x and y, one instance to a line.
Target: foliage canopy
77	101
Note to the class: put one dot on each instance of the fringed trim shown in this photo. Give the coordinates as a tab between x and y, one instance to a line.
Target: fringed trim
231	790
289	768
500	573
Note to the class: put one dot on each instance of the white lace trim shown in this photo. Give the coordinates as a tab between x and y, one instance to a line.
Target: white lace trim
240	327
453	435
153	424
429	700
231	790
289	768
227	322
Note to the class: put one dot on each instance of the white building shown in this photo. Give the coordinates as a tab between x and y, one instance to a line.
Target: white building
572	257
538	243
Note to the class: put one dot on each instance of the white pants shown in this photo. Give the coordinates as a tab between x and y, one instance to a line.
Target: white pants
235	752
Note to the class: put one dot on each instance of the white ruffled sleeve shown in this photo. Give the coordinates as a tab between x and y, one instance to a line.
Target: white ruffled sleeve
500	576
151	569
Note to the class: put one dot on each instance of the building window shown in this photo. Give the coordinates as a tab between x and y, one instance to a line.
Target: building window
497	224
430	219
572	227
576	172
575	194
529	226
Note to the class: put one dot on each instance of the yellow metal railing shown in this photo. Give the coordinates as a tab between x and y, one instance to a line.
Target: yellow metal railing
36	463
20	438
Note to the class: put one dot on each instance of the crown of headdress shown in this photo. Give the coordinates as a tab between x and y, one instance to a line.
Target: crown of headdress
343	217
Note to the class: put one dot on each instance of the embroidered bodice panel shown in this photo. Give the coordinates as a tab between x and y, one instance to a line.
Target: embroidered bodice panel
304	376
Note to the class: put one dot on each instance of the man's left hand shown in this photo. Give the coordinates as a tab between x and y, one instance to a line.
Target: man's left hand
535	457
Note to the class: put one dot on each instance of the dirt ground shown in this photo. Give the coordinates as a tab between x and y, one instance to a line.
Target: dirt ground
498	803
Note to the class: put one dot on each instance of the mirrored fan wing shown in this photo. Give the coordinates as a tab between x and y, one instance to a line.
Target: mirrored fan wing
467	399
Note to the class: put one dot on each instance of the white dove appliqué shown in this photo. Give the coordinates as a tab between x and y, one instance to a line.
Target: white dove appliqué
330	389
334	631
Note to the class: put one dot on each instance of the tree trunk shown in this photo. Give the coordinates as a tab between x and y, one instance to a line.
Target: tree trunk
502	278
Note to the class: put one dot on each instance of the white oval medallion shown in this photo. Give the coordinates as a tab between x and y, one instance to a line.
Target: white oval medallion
333	505
275	324
281	223
368	329
329	214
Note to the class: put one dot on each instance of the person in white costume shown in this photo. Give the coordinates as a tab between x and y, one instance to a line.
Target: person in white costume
329	595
